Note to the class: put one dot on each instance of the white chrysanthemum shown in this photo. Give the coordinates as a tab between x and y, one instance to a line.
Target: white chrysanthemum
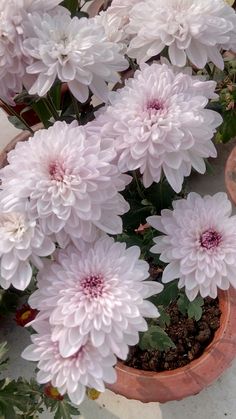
68	179
193	29
21	242
13	59
71	375
96	294
113	26
159	122
199	245
31	6
76	51
115	19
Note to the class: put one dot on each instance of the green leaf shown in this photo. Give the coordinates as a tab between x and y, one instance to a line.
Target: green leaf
191	308
156	338
195	308
169	294
81	14
164	319
183	304
160	195
17	123
7	411
71	5
42	112
65	410
3	350
8	399
227	130
55	94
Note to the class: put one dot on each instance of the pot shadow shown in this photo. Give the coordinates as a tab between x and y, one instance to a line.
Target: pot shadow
216	402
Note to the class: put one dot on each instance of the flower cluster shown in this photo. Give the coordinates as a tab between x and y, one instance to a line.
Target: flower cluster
69	186
199	244
93	303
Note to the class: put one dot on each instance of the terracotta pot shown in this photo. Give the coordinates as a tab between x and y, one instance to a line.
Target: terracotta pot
230	175
23	136
162	387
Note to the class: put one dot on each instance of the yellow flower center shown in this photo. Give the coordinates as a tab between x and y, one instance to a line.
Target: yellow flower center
25	315
92	393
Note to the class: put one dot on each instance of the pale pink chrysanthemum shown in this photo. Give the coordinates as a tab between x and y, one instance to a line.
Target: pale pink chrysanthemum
31	6
158	122
21	242
13	58
71	375
76	51
191	29
98	294
69	182
199	244
115	20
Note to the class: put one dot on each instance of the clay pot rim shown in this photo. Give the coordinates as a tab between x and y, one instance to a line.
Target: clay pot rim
230	171
224	298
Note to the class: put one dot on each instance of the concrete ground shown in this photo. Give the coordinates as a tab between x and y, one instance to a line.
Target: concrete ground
216	402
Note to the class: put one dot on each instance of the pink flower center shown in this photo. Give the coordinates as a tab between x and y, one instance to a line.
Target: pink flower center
155	105
210	239
56	171
93	285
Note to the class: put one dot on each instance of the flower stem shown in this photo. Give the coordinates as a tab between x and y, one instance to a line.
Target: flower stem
51	107
138	184
76	107
213	71
18	116
208	69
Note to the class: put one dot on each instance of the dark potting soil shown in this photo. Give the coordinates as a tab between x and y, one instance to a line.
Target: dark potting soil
190	337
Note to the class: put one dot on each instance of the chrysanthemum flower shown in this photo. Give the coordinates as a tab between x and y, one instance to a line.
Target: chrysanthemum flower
13	59
99	294
193	29
116	18
71	375
25	315
21	242
52	392
76	51
159	122
68	180
199	244
31	6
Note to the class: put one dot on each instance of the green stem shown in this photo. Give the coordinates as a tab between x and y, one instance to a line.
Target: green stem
76	107
213	71
50	106
208	69
18	116
138	185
